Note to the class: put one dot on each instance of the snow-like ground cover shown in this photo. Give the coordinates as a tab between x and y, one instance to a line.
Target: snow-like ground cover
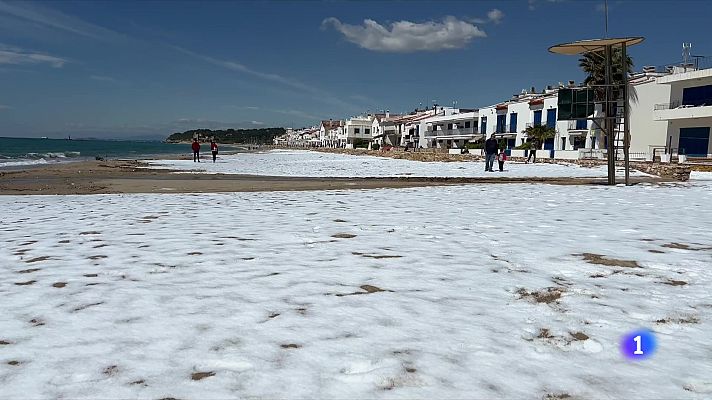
489	291
316	164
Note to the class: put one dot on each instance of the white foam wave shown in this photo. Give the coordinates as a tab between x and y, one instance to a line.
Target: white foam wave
19	163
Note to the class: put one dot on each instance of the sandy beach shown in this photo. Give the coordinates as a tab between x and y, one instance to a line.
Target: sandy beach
103	177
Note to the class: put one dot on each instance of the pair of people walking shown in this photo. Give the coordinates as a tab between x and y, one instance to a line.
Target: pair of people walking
196	150
491	147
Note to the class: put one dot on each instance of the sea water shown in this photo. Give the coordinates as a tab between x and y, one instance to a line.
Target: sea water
22	151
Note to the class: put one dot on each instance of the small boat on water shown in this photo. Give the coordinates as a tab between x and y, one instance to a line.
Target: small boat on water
43	137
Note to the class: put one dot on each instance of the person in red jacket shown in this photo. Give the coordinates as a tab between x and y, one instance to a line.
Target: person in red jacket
501	158
196	150
214	149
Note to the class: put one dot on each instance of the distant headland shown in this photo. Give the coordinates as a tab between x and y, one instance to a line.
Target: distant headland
240	136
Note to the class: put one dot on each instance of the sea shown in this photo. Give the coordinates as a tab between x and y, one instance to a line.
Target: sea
17	152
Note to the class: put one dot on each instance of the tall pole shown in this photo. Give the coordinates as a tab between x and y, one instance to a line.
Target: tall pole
626	114
605	7
609	118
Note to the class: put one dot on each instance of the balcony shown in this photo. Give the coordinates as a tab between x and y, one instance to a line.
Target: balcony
511	128
575	127
676	110
453	132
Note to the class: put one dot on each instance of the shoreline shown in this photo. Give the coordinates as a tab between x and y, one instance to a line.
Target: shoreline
131	176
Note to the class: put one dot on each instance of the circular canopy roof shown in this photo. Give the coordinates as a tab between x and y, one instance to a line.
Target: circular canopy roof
586	46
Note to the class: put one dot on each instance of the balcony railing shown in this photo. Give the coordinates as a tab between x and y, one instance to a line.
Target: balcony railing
667	106
453	132
678	104
573	126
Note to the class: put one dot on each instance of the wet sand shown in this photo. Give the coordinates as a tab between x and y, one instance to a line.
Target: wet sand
99	177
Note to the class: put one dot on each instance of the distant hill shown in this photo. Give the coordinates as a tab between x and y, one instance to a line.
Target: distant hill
254	136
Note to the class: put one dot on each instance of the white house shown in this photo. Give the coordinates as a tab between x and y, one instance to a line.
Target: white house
329	132
509	120
384	129
356	130
687	111
451	128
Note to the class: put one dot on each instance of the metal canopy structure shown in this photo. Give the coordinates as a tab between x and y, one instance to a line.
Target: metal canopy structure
613	96
587	46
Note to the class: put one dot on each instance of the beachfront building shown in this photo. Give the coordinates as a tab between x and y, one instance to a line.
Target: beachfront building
329	132
412	128
509	120
451	128
687	111
384	129
356	132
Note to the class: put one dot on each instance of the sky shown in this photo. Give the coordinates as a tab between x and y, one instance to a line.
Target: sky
127	69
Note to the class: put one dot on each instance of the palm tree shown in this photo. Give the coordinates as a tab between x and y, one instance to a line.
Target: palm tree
538	134
594	65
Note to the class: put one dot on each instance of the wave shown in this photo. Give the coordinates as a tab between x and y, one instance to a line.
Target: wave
19	163
39	156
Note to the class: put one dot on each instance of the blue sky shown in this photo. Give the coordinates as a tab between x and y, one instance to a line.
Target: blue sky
124	68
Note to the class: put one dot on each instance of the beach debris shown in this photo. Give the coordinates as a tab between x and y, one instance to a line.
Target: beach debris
599	259
196	376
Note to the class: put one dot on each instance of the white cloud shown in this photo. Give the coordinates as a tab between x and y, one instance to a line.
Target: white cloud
4	107
257	122
533	3
290	112
35	14
495	15
235	66
293	83
102	78
406	36
17	56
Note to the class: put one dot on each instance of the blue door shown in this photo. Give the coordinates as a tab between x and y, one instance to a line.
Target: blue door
537	117
694	141
513	123
549	144
581	124
551	117
483	126
501	123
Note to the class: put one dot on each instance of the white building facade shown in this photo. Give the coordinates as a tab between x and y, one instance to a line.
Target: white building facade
687	112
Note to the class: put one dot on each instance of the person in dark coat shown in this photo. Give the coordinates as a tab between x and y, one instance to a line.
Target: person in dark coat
491	147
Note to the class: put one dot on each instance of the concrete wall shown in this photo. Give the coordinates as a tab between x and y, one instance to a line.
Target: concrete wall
645	131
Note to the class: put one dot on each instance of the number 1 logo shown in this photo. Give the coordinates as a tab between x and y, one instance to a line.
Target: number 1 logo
638	350
638	345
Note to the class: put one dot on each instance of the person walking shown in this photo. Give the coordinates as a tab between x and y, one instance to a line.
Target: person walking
196	150
532	153
491	146
214	149
501	158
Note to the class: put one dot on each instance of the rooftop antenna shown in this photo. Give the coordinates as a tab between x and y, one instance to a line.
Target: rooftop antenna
686	49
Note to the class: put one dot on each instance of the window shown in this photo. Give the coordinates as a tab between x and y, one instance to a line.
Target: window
697	96
513	122
537	117
501	123
368	131
551	118
357	130
581	124
449	126
467	124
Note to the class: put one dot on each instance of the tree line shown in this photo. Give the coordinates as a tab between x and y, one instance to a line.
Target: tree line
240	136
